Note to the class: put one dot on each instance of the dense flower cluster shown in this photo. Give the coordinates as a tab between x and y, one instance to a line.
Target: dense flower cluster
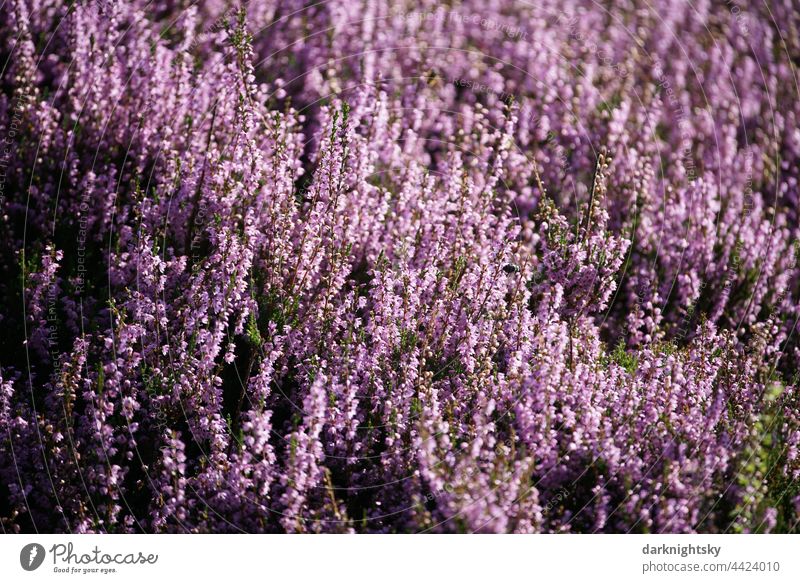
399	266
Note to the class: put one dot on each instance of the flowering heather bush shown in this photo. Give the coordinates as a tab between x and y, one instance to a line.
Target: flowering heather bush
399	266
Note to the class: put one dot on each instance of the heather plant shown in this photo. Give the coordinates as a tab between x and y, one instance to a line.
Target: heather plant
369	266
